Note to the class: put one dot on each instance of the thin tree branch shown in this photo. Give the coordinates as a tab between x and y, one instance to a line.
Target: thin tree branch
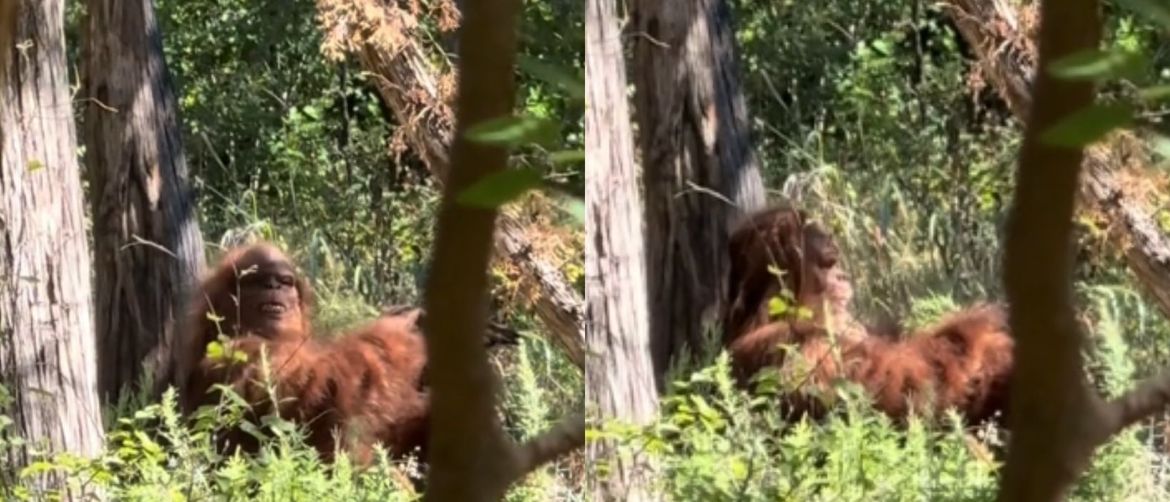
554	443
1148	398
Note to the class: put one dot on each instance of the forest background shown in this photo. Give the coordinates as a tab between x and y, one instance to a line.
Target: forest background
290	135
892	126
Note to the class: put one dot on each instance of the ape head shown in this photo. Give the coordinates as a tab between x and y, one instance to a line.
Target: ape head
781	239
256	290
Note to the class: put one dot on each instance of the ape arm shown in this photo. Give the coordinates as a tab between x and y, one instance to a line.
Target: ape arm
761	347
497	333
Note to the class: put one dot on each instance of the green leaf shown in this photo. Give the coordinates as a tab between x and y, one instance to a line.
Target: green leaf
1155	93
1088	125
1161	145
513	131
239	356
576	208
567	157
776	306
1097	65
313	112
556	75
500	188
215	351
35	165
1155	10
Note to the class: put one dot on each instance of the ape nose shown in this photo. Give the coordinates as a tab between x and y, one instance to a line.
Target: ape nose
271	282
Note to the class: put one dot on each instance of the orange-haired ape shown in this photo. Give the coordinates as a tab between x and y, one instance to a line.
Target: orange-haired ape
964	361
359	388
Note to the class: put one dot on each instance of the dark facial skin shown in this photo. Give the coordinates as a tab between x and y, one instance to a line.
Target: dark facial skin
820	270
269	294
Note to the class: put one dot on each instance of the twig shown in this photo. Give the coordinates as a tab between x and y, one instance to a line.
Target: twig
551	444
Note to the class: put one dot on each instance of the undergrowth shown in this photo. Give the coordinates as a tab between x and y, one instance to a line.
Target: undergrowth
153	454
715	441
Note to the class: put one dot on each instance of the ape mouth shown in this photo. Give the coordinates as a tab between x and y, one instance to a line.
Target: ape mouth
273	309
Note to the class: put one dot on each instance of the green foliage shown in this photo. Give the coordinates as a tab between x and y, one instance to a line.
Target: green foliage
1097	65
867	114
287	146
277	136
542	386
528	131
924	311
1086	126
154	454
715	442
500	188
871	115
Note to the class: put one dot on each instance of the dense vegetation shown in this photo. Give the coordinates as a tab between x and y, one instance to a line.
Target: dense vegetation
287	145
874	116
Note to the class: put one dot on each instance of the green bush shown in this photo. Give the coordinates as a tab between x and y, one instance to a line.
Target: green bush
154	454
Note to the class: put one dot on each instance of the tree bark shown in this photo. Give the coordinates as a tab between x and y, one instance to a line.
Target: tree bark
382	37
148	249
470	456
619	374
1003	42
698	167
47	354
1056	418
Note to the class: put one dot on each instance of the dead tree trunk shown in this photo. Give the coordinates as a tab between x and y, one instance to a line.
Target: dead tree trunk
47	354
1007	55
698	167
619	374
383	36
148	249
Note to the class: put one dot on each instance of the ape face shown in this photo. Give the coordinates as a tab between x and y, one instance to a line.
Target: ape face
269	297
839	289
784	240
821	279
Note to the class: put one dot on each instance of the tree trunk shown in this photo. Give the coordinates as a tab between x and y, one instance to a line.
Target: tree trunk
619	374
47	355
470	456
698	167
1007	54
1056	420
382	37
147	245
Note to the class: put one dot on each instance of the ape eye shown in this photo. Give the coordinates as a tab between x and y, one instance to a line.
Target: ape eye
287	280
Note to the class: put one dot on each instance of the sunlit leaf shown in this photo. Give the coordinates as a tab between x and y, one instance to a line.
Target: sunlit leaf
1160	145
313	112
215	351
500	188
1099	65
514	131
1155	93
35	165
1088	125
576	208
567	157
776	306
